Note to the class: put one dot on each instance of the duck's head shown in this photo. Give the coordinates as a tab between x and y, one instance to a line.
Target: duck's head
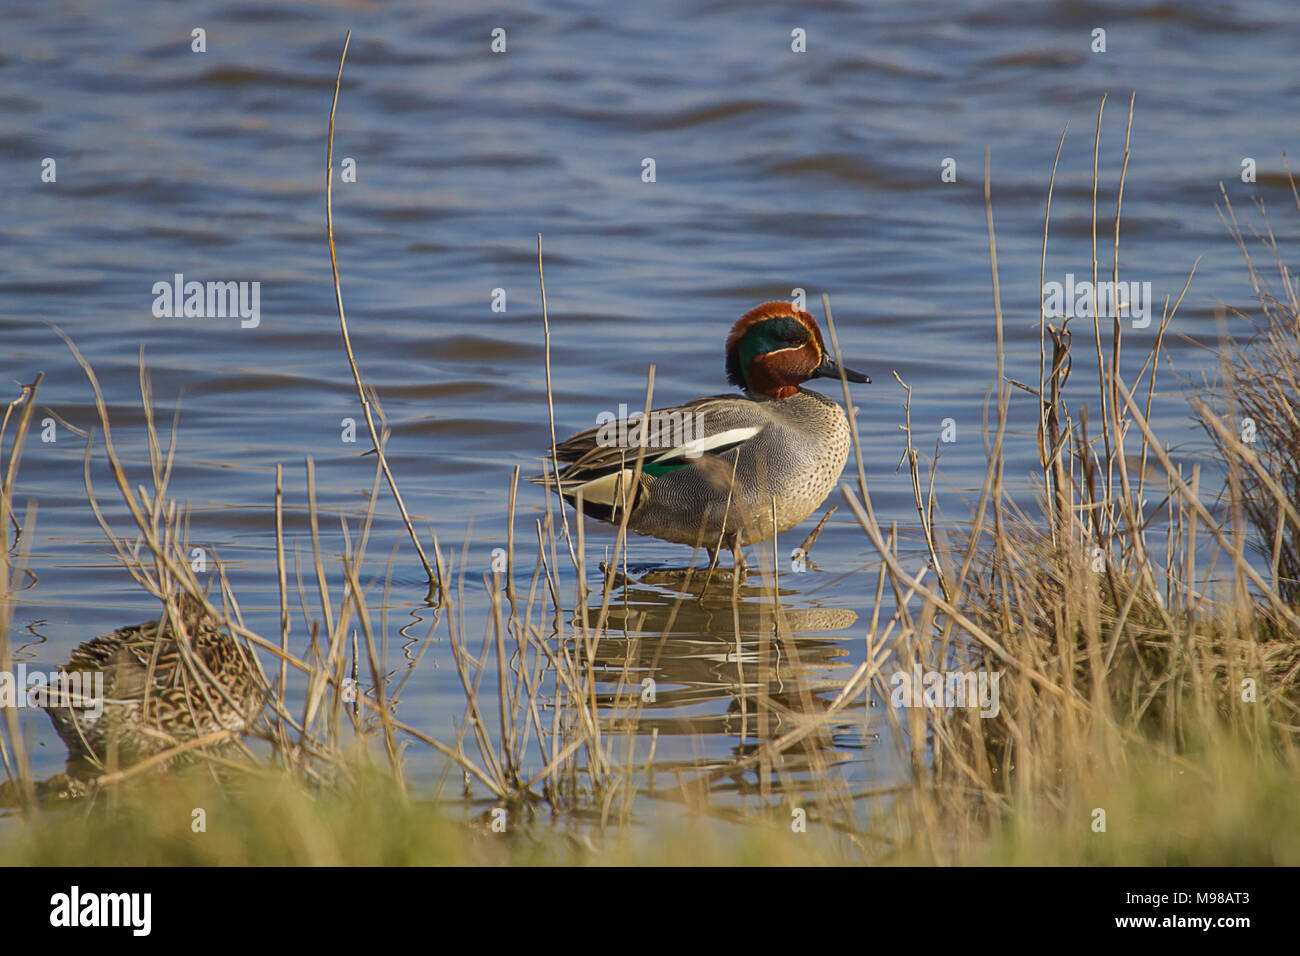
776	347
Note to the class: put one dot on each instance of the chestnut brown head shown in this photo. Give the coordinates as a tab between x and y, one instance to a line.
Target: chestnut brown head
775	347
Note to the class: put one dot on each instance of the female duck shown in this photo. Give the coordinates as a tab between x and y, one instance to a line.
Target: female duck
162	685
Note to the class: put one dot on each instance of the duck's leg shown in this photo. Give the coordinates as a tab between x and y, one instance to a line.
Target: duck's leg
728	541
713	566
739	569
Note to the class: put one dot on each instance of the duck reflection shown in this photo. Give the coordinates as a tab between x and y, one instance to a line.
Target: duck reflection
709	680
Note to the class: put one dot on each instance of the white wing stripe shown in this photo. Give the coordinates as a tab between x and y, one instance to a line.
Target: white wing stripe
696	448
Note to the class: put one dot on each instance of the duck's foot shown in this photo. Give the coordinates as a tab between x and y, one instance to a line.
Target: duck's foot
716	577
695	577
680	578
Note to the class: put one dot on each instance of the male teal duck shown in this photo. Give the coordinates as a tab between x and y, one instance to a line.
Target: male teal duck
159	689
716	470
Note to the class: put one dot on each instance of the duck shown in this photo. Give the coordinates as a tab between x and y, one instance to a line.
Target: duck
149	687
724	471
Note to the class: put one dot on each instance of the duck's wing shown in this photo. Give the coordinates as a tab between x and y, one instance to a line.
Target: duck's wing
602	460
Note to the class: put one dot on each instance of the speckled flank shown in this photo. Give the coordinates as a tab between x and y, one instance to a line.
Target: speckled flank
795	460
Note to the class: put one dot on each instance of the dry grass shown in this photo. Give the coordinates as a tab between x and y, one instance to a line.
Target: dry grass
1135	681
1252	413
13	561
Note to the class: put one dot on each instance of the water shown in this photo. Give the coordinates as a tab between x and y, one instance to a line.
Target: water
774	170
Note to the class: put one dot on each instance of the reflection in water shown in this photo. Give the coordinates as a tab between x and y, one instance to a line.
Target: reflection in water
700	683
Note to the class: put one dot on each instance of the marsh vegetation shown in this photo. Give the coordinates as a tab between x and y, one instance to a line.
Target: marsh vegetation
1140	614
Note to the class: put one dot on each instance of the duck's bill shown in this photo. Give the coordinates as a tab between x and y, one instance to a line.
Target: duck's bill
830	369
